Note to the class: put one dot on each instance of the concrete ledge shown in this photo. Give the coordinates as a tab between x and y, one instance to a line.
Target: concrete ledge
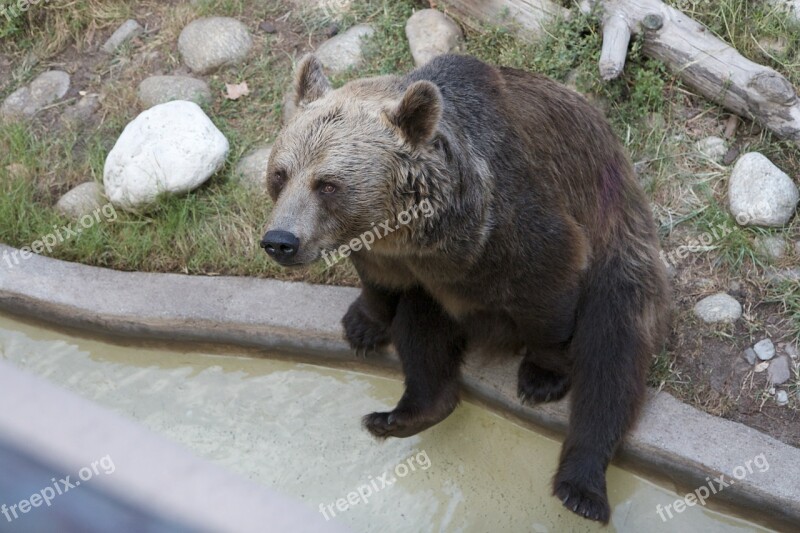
672	439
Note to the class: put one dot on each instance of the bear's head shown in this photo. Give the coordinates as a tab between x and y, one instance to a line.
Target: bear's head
349	160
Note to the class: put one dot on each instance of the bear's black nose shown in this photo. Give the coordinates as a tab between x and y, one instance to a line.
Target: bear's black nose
280	245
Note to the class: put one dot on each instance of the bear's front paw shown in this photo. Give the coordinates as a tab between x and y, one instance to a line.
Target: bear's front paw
584	503
395	424
362	332
535	384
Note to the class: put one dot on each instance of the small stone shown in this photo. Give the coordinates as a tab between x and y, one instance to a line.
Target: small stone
776	277
267	26
27	101
797	247
730	155
169	148
761	194
719	307
431	33
127	31
779	371
82	200
760	367
207	44
750	356
252	168
344	51
781	397
771	248
764	349
161	89
713	148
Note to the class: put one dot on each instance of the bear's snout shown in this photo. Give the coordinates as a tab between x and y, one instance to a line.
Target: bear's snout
280	245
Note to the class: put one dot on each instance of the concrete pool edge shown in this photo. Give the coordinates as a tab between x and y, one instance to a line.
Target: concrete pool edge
672	438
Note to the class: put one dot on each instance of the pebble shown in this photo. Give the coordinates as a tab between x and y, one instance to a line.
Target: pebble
252	168
207	44
779	371
781	397
771	247
82	200
719	307
344	51
431	33
764	349
127	31
28	100
761	194
161	89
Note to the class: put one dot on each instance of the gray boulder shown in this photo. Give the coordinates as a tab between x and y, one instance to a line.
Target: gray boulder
761	194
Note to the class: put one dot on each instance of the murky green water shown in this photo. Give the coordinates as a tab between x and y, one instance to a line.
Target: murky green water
296	428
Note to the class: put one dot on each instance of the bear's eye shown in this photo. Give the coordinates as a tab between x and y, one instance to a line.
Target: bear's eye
327	188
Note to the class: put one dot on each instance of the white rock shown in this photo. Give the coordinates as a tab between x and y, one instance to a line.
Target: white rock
771	247
760	367
713	148
764	349
170	148
160	89
718	307
761	194
431	33
127	31
345	50
44	90
82	200
252	168
207	44
781	397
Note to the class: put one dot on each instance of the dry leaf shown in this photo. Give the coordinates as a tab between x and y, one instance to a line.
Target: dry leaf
236	90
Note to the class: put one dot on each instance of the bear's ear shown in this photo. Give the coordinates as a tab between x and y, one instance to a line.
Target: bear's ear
310	82
419	112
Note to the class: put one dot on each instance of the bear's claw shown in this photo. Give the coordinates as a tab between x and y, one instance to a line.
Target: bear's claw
536	384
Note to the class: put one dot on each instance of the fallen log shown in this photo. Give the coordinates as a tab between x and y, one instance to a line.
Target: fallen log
703	62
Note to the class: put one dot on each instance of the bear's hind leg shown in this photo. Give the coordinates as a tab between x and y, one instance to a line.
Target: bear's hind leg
431	345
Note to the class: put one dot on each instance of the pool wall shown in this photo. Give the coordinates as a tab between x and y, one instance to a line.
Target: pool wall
672	439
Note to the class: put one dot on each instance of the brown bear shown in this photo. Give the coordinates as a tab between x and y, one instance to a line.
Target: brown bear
535	236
